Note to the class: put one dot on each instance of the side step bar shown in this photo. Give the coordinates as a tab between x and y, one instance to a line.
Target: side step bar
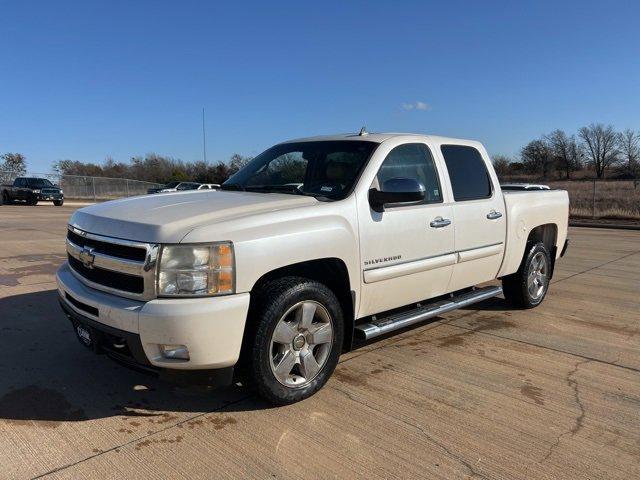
379	326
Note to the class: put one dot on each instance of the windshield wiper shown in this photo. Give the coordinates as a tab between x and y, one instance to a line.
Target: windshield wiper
232	186
276	188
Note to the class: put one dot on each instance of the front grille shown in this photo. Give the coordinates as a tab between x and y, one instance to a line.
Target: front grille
108	278
82	306
107	248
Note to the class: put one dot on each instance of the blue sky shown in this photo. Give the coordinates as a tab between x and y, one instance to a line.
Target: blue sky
87	80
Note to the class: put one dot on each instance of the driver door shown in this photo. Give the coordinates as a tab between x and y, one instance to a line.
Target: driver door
406	250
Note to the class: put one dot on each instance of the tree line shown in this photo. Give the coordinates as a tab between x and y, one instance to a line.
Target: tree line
155	168
596	150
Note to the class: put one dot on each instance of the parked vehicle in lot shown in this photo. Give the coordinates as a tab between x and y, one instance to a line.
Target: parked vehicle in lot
32	190
175	187
314	244
523	186
208	186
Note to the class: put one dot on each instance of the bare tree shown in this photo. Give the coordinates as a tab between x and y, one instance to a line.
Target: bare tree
537	157
14	164
502	165
629	146
565	151
237	161
600	144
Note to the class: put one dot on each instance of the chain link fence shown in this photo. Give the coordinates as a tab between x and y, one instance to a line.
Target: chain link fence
78	187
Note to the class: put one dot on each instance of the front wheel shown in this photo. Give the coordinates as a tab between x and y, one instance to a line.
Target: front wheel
297	339
529	285
58	203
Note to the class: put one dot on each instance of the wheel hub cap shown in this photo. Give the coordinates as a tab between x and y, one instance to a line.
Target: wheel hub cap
298	342
301	343
537	276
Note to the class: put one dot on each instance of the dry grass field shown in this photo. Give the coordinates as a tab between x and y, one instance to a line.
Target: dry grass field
610	199
613	198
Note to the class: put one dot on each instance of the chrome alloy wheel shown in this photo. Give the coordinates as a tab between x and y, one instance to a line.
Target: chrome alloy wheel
537	276
301	344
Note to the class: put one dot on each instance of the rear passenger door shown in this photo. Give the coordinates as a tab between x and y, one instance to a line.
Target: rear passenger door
478	210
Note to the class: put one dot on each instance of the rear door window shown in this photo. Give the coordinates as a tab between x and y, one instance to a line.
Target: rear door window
467	172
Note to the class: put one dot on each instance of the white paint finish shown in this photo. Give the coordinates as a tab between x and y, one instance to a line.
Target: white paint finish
211	328
114	311
527	210
402	231
482	252
386	273
168	218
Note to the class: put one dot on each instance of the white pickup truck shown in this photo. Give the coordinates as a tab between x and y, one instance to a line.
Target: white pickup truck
315	244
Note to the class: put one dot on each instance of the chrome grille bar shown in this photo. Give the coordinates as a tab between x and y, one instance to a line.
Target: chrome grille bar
112	263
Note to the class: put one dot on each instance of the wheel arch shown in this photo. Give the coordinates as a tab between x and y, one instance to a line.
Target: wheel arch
548	235
331	272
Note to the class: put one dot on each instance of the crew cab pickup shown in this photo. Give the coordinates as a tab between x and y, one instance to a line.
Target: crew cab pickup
316	245
31	190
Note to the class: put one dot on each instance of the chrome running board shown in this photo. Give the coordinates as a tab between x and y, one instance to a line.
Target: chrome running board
379	326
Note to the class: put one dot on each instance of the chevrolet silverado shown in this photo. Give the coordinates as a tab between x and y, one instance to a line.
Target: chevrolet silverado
315	245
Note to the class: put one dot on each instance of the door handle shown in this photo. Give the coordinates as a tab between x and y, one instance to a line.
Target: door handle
440	222
492	215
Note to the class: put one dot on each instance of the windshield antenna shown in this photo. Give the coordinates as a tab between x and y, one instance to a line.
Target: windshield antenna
363	132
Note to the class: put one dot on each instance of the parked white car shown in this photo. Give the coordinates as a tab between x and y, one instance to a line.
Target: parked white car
314	244
209	186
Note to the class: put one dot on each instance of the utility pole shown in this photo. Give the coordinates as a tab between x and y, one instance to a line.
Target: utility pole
204	139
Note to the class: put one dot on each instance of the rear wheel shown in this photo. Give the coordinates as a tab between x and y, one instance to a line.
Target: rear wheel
5	198
529	285
297	339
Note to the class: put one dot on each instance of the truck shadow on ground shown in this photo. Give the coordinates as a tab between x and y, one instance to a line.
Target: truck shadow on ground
48	377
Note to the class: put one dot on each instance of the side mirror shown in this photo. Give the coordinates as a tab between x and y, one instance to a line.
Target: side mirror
396	190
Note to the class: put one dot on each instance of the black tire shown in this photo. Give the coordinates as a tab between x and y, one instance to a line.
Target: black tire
58	203
516	286
33	201
269	306
5	198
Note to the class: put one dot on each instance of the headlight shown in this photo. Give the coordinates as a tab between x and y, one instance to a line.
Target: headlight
36	191
61	191
196	270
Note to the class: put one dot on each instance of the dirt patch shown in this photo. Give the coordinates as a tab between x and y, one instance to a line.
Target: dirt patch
38	265
220	422
533	393
32	403
147	443
455	340
350	378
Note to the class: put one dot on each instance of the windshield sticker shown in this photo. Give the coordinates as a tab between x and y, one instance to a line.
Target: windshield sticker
326	189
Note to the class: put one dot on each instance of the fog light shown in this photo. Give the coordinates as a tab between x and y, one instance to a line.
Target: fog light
175	351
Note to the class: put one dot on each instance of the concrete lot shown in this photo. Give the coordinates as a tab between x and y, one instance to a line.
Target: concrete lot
486	392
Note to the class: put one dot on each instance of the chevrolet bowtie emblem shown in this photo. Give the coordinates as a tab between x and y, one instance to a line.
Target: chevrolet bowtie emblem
87	257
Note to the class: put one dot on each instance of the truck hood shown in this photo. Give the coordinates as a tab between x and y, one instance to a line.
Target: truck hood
167	218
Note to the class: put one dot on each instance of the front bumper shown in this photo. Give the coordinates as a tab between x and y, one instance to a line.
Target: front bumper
50	197
211	328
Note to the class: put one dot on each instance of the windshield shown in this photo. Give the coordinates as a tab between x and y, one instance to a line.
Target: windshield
171	185
39	183
323	168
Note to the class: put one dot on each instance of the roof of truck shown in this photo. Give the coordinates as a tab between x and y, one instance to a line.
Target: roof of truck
378	137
